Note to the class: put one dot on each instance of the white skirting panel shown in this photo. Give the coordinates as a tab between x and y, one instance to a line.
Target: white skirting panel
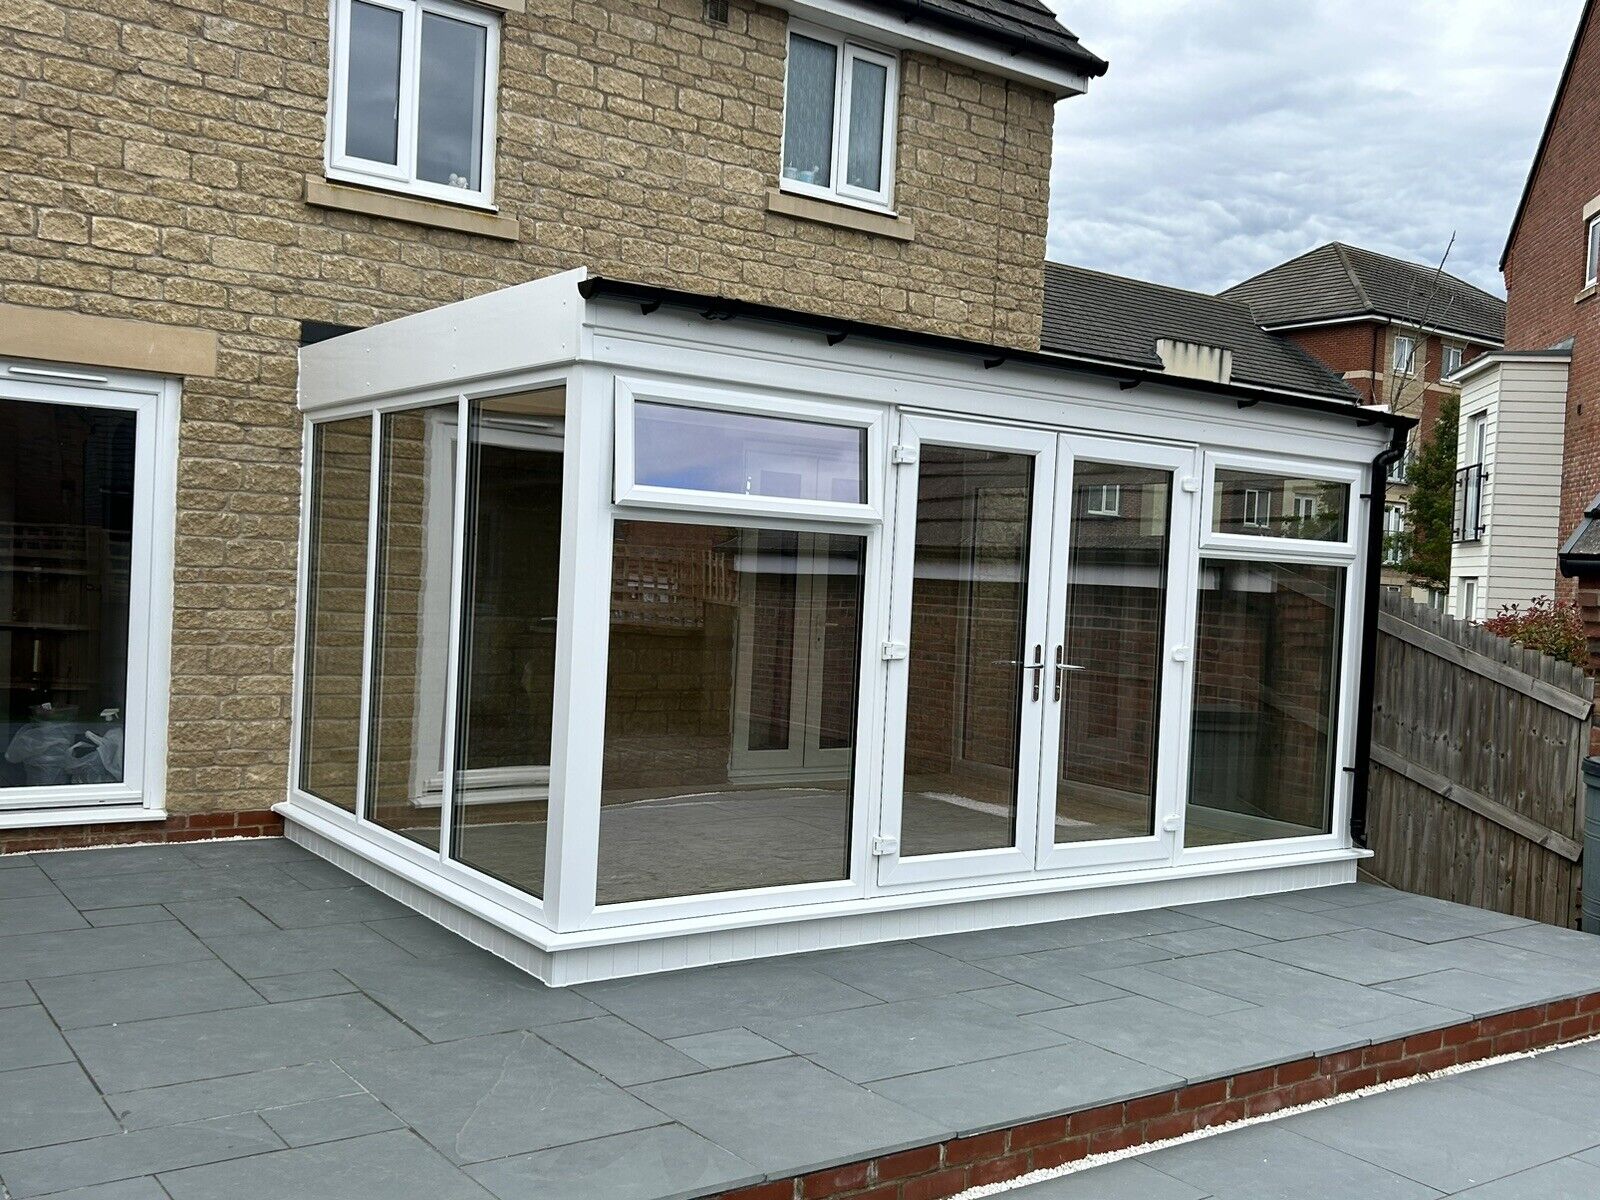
563	959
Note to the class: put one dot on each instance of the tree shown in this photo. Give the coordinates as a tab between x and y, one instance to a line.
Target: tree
1433	500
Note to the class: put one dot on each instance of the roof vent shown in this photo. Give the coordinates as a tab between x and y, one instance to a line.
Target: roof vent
1194	360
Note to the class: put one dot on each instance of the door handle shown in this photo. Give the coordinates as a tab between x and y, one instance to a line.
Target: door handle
1062	667
1036	666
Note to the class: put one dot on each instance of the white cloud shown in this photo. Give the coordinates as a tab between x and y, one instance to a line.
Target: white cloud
1232	134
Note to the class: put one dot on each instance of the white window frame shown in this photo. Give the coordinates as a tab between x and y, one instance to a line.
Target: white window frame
1404	364
1103	500
1450	361
1255	500
1591	257
1394	523
1467	600
141	795
1262	545
838	190
402	177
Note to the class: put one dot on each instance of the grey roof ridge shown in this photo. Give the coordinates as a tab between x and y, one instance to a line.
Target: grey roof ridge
1343	251
1211	297
1416	266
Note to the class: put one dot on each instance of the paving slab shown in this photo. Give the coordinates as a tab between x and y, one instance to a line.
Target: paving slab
667	1162
25	880
38	914
425	939
1564	1179
219	917
1475	994
295	951
1059	935
465	997
140	993
1423	919
328	906
1016	998
1125	1180
101	862
173	886
901	971
180	1103
303	985
728	1048
144	1188
133	914
43	1105
618	1051
330	1120
16	994
1547	939
1545	1084
240	852
1140	981
28	1038
81	951
1267	919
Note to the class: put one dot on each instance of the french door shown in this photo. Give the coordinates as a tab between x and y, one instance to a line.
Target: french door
1040	607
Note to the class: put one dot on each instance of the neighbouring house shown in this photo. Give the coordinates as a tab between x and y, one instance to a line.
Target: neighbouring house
624	480
1397	331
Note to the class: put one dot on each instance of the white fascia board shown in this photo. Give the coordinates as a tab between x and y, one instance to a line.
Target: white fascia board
1378	319
1496	358
499	333
876	25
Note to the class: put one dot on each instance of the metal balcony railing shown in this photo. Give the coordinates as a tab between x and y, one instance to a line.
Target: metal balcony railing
1468	525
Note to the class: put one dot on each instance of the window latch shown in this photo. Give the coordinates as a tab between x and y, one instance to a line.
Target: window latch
883	847
903	456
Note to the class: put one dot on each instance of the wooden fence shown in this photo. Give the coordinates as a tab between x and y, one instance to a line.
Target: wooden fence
1477	746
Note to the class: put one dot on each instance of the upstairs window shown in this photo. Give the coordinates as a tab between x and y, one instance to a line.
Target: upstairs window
1452	361
838	119
1591	271
412	100
1405	354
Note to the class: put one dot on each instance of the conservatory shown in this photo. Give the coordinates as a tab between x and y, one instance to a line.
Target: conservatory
641	629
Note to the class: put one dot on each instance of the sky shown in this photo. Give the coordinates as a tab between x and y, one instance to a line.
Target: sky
1230	135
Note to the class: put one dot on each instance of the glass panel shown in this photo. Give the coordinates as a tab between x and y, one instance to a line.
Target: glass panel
66	531
372	98
869	86
710	450
411	627
450	102
1266	684
1116	616
808	111
336	601
968	604
508	635
1262	504
724	767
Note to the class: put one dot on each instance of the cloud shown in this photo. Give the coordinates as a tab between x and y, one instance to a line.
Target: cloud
1232	134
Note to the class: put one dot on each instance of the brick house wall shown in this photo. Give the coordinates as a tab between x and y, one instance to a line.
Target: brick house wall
157	162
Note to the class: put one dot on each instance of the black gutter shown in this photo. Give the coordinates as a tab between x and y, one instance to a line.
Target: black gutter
1368	669
837	329
1089	63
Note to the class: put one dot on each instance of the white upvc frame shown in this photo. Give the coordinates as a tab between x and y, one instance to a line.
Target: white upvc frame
1591	264
154	400
1404	364
869	419
1267	545
847	51
401	176
1104	507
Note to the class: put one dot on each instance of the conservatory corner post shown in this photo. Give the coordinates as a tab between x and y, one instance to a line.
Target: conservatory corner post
582	635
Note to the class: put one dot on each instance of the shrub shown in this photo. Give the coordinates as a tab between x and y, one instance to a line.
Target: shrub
1548	626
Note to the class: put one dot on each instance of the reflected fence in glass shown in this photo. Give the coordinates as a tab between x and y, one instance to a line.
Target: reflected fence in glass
730	709
1265	703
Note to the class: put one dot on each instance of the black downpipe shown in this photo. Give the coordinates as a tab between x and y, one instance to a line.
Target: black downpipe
1362	768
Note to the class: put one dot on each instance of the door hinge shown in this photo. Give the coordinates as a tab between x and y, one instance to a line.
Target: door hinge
882	847
894	651
903	455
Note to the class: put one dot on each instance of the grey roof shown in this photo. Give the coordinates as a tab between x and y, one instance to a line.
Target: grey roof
1013	25
1337	280
1580	553
1112	318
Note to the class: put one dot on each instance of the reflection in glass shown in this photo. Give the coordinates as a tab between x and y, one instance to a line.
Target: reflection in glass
712	450
336	600
405	783
869	85
808	111
968	603
66	530
730	709
450	103
1262	504
1112	660
1266	678
508	635
372	100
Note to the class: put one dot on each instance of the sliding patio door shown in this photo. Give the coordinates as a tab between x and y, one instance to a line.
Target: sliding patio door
1038	604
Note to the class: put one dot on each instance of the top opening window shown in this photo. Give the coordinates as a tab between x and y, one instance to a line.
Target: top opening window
1591	271
1452	361
1405	354
838	119
413	98
1260	504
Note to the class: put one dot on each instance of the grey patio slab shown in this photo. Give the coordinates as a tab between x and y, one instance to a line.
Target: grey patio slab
1558	977
1270	1162
173	886
79	951
303	985
143	1188
667	1162
1567	944
1184	1044
1477	995
1129	1179
1364	956
13	861
907	1036
1543	1084
294	951
900	971
1263	917
1207	940
113	860
25	880
315	872
715	998
219	917
140	993
16	994
618	1051
1563	1179
240	852
1058	935
997	1092
180	1103
330	1120
727	1048
1444	1134
38	914
466	997
382	1166
40	1106
1140	981
1426	920
328	906
1580	1058
207	1045
1016	998
790	1116
133	914
28	1038
130	1155
1339	895
1421	1019
424	938
1097	956
490	1097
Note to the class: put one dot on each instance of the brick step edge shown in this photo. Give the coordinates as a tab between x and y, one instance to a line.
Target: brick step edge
178	827
947	1168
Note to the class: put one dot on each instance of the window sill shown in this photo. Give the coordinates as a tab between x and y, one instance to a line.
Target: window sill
842	216
103	814
1592	290
322	194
